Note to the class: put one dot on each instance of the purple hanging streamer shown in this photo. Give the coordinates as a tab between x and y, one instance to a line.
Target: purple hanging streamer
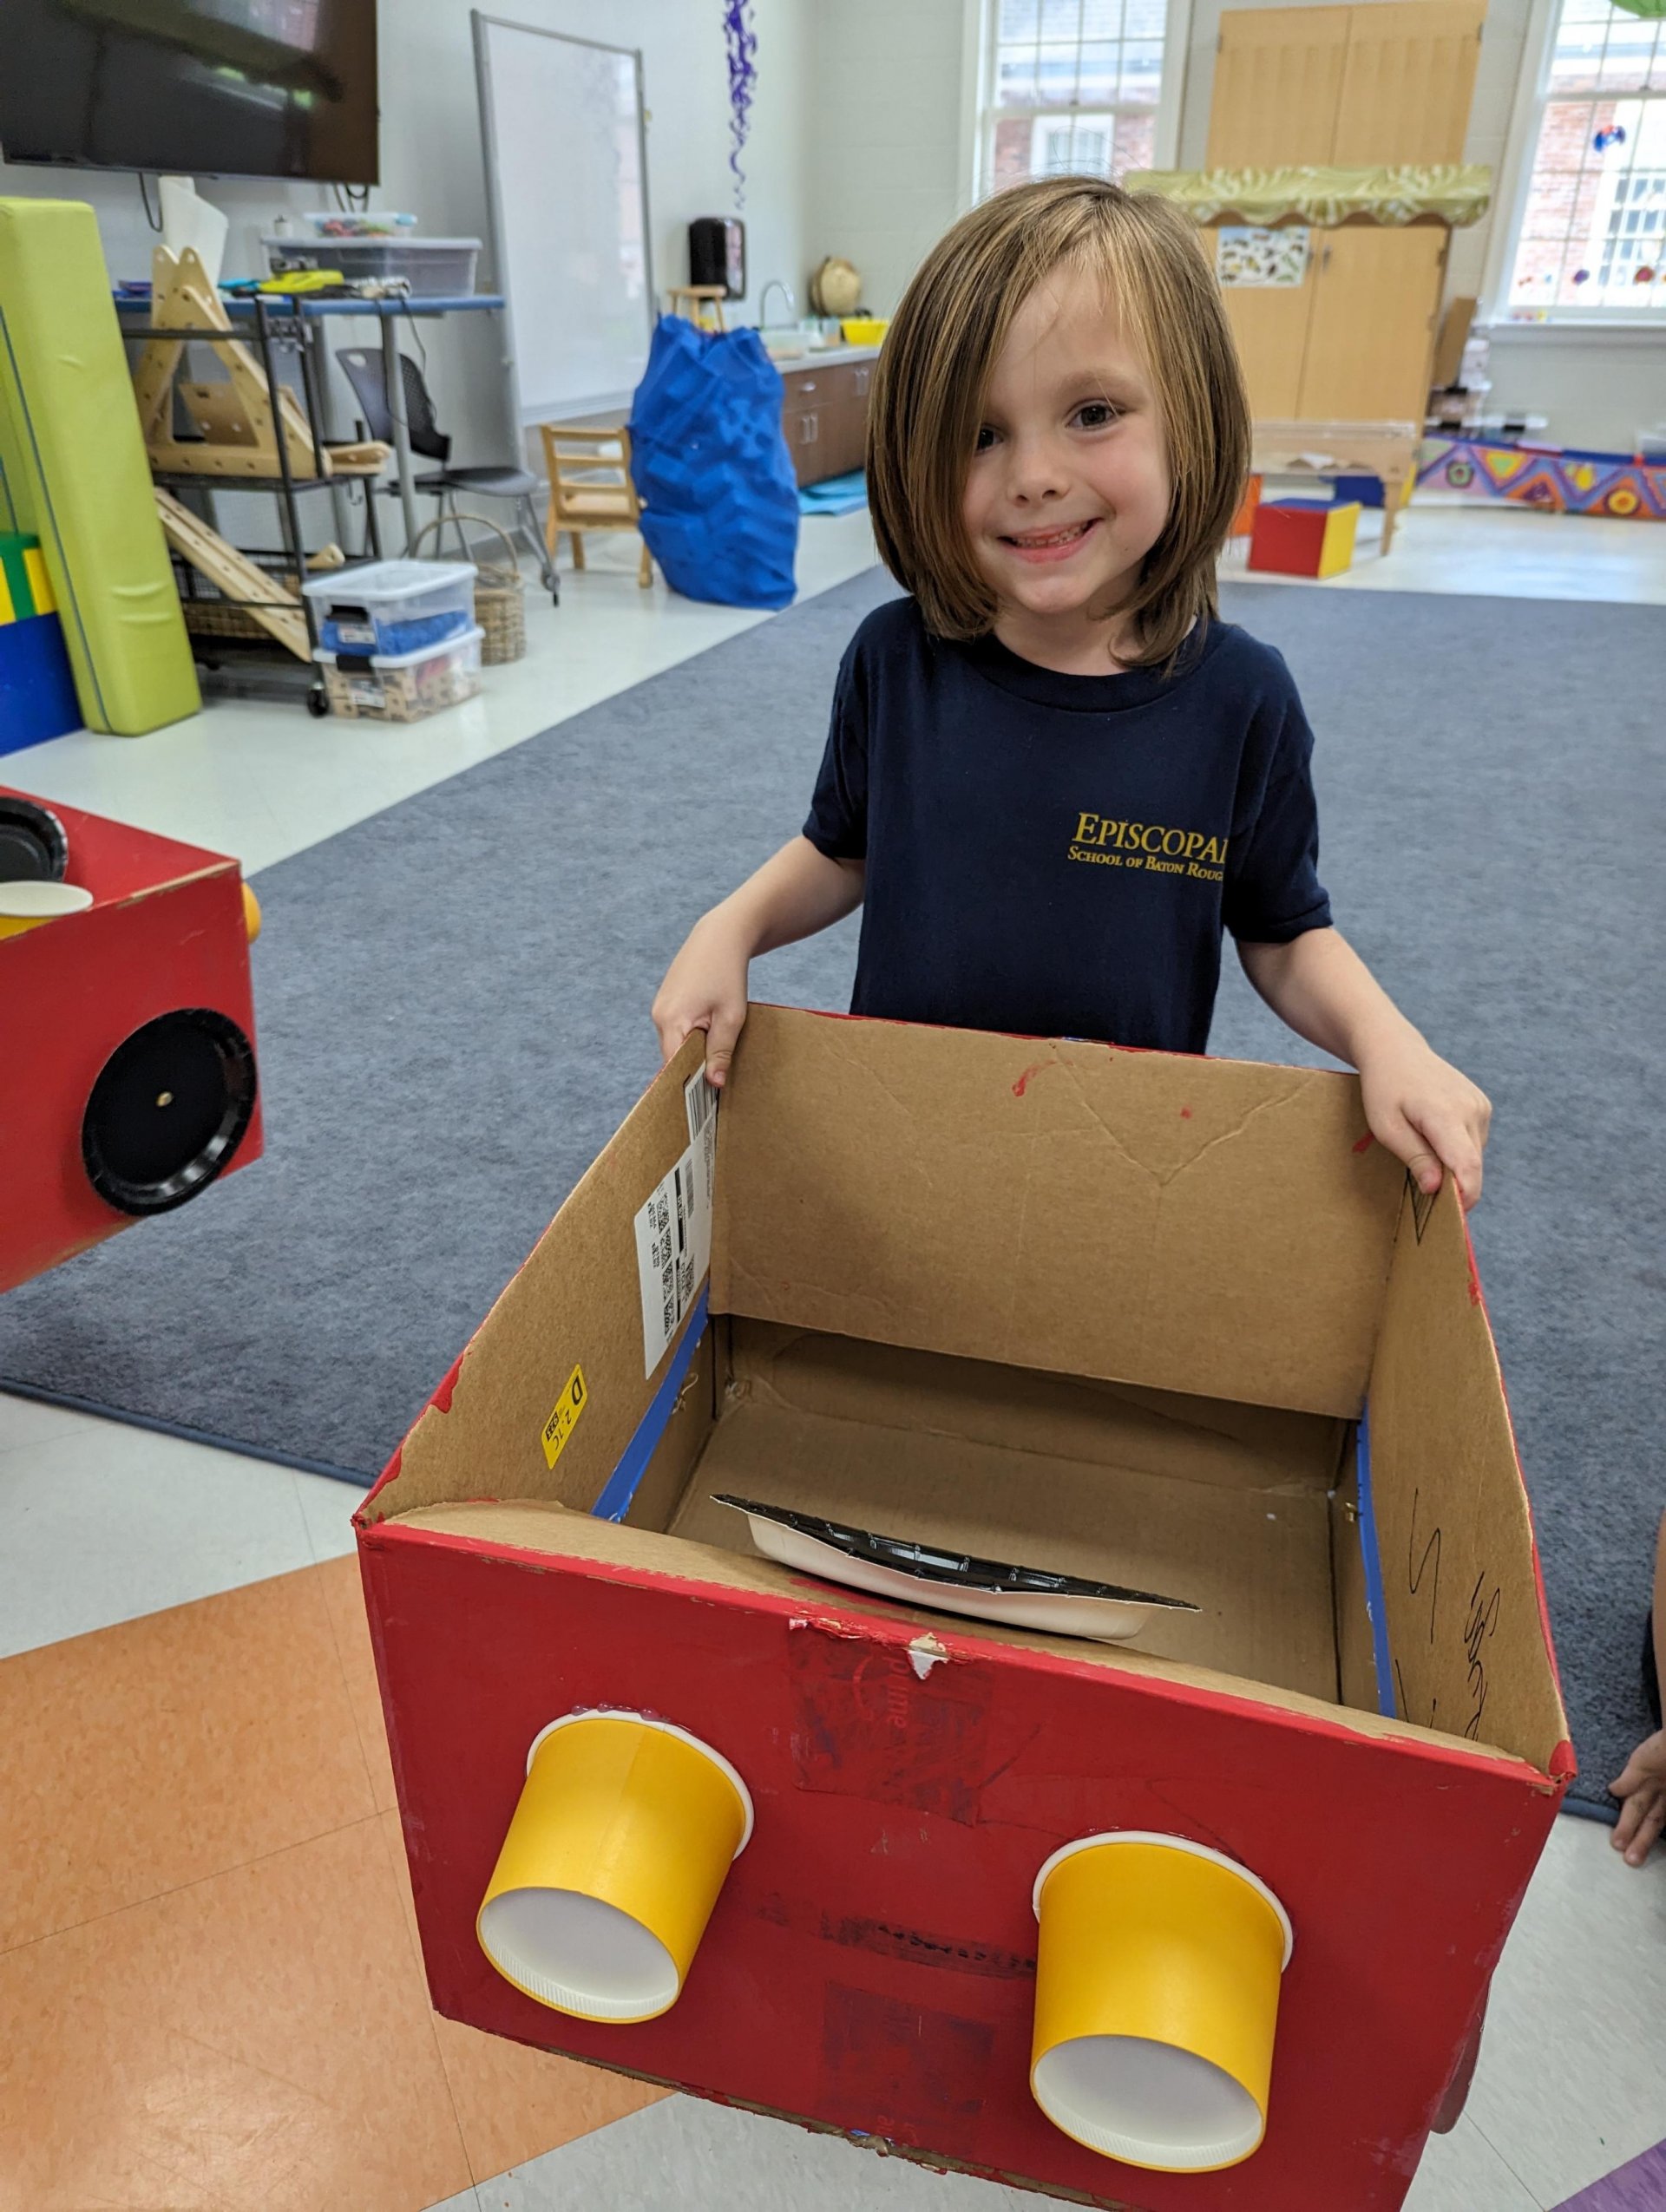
740	42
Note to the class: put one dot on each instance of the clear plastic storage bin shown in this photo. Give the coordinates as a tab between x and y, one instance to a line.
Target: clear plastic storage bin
402	687
435	268
393	606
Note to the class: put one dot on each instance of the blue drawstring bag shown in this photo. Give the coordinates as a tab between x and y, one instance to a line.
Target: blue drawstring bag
719	503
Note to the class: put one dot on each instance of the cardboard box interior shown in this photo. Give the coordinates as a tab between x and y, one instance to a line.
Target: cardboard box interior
1108	1313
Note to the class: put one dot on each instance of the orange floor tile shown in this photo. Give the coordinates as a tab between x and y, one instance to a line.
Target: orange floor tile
210	1993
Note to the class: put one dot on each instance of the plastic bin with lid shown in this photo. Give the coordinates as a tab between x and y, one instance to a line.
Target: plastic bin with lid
402	687
435	268
393	606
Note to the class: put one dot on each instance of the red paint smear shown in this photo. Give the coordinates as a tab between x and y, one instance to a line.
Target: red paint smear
1475	1279
1025	1080
441	1398
1185	1113
1365	1142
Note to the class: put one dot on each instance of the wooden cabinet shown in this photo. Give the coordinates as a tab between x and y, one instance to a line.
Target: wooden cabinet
1357	87
1353	341
1278	80
1371	333
824	417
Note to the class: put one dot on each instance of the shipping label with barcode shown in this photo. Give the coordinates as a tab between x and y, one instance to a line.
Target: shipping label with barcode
673	1229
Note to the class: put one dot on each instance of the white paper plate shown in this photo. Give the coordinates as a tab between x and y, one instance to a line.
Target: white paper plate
1113	1618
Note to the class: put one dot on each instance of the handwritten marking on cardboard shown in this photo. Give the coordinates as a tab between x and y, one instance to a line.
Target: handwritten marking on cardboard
1479	1627
565	1417
673	1228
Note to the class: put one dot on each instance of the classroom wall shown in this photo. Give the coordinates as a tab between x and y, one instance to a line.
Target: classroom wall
431	165
890	165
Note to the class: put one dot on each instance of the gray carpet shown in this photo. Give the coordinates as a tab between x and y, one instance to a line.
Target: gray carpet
453	1007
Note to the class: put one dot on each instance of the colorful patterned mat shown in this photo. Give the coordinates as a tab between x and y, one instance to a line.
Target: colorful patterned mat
1561	483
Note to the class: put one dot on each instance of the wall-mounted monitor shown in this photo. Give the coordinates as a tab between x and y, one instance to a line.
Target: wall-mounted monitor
200	87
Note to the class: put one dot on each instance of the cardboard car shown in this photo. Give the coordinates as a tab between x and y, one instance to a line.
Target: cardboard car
127	1076
1170	1324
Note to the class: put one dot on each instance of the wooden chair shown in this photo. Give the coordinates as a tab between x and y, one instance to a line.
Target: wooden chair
590	487
705	300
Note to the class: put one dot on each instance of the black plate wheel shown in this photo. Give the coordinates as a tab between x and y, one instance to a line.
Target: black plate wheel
33	847
169	1109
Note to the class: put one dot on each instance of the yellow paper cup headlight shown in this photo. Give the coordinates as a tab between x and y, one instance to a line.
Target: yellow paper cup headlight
28	904
626	1829
1157	1989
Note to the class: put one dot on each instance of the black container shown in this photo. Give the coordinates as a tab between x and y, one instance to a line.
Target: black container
717	253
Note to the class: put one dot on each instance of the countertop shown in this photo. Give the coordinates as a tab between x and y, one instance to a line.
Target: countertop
830	356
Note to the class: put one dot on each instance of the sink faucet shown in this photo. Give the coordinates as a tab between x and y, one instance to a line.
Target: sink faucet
774	284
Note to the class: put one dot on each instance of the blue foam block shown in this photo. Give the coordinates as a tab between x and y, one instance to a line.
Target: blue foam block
37	689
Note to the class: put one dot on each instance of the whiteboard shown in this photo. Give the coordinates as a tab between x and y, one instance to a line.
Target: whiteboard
567	180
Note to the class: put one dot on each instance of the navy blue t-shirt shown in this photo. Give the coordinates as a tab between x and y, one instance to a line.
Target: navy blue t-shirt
1058	854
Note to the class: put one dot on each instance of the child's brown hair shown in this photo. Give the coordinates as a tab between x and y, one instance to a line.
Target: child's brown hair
934	371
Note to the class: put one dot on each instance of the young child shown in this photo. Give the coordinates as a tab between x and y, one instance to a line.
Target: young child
1641	1787
1055	776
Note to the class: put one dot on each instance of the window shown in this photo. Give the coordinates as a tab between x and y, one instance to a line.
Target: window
1592	239
1078	86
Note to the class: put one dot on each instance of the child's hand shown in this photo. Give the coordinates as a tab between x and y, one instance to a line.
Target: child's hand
1643	1786
1427	1114
705	988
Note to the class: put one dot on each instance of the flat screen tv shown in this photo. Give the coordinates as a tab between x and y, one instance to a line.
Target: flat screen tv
197	88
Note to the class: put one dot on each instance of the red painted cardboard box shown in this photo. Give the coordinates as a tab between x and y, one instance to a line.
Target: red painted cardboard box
1176	1322
163	950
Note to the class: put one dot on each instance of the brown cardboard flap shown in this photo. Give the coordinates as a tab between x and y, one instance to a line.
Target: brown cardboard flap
1470	1655
1356	1666
574	1304
1163	1433
547	1532
1210	1227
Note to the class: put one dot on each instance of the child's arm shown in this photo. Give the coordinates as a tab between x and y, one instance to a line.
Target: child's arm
1417	1104
1642	1787
794	895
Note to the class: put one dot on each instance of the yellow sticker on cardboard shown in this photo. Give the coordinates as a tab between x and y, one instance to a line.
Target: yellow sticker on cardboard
562	1421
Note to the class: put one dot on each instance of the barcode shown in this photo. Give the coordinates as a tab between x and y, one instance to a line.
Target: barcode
701	1103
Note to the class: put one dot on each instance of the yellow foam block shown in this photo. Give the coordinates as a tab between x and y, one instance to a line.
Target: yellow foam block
1336	549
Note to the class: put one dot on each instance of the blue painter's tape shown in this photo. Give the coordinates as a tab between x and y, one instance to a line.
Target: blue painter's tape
615	1501
1375	1604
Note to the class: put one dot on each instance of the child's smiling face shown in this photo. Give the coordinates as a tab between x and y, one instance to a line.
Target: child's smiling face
1068	490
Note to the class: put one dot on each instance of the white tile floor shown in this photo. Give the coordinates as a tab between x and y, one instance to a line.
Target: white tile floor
106	1522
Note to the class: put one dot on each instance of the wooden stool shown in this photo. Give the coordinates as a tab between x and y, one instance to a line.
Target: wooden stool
590	488
706	298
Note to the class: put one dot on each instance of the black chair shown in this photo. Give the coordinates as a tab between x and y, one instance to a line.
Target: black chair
364	371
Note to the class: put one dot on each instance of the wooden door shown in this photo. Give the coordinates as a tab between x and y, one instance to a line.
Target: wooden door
1371	334
1278	82
1407	83
1269	324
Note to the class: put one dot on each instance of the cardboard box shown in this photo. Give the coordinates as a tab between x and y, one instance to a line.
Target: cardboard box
164	947
1176	1322
1304	537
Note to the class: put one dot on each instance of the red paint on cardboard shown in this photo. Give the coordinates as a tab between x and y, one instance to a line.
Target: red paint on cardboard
1365	1142
448	1382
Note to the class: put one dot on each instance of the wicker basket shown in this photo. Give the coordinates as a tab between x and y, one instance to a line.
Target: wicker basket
211	614
500	595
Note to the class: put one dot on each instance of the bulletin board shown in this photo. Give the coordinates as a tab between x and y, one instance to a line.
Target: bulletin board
562	122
